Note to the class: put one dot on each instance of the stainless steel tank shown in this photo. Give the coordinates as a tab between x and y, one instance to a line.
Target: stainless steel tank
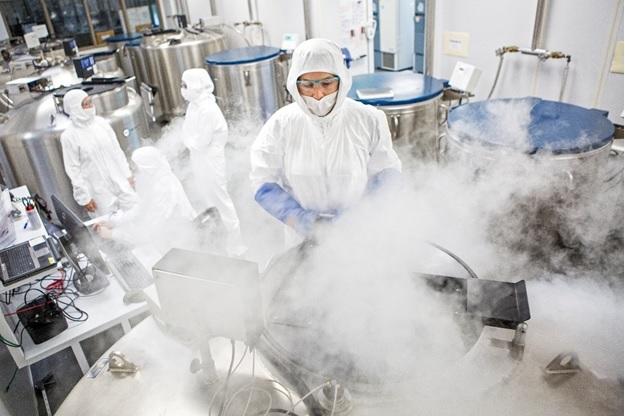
161	58
107	65
30	137
561	153
250	82
119	44
413	106
313	337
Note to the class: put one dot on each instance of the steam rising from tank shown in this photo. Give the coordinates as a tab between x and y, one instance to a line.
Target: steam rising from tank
514	219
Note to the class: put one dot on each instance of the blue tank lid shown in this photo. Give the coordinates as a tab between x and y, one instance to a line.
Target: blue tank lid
399	87
557	127
124	37
246	55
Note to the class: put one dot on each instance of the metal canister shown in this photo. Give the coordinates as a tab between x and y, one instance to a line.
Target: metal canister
561	150
119	44
249	82
413	108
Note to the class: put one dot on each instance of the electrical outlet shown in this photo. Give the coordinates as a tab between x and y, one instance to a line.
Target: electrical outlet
456	44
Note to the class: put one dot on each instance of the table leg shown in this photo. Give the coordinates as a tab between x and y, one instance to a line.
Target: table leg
126	326
80	357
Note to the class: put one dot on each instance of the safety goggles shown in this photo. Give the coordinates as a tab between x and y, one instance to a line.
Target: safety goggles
324	84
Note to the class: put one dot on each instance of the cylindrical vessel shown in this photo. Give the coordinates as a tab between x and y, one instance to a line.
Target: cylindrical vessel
119	44
566	148
412	104
249	82
311	337
107	65
30	139
161	58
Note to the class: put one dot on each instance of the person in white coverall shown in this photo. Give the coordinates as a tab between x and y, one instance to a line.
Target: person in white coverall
93	160
205	134
319	155
163	216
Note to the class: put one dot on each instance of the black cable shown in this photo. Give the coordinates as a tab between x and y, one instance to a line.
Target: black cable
453	256
6	389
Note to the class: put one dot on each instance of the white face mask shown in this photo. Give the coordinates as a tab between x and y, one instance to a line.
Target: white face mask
190	94
85	115
323	106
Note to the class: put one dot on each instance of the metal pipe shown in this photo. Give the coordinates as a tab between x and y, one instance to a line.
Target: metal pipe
47	17
307	21
430	15
252	9
213	5
492	89
537	35
122	6
89	22
565	76
161	14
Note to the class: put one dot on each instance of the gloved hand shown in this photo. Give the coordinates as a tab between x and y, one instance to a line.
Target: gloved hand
384	178
280	204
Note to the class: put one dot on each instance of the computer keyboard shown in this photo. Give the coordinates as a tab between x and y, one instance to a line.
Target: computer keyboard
17	261
131	271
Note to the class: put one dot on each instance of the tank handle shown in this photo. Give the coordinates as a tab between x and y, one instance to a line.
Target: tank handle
246	77
394	127
443	114
440	147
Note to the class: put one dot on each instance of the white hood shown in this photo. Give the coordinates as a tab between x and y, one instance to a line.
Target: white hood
319	55
151	161
72	105
199	84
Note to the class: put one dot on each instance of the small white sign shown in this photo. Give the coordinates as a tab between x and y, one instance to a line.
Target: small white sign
289	41
32	40
41	31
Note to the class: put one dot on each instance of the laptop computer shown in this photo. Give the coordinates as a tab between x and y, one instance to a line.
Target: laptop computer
30	259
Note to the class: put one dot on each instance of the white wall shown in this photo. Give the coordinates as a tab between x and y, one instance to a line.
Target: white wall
578	27
325	22
278	16
287	16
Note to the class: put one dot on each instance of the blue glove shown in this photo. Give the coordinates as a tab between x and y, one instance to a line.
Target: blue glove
285	208
382	179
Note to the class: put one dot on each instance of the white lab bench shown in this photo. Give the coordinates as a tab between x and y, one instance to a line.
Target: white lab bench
105	309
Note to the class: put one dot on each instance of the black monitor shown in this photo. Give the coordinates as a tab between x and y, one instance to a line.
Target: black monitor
84	66
80	238
70	48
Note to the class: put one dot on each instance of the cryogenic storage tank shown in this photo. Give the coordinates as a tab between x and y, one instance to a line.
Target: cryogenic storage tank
250	82
563	146
119	44
323	334
30	137
161	58
107	65
412	104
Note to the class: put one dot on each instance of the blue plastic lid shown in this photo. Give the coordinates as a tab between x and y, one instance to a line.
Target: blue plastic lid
124	37
245	55
530	125
407	87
